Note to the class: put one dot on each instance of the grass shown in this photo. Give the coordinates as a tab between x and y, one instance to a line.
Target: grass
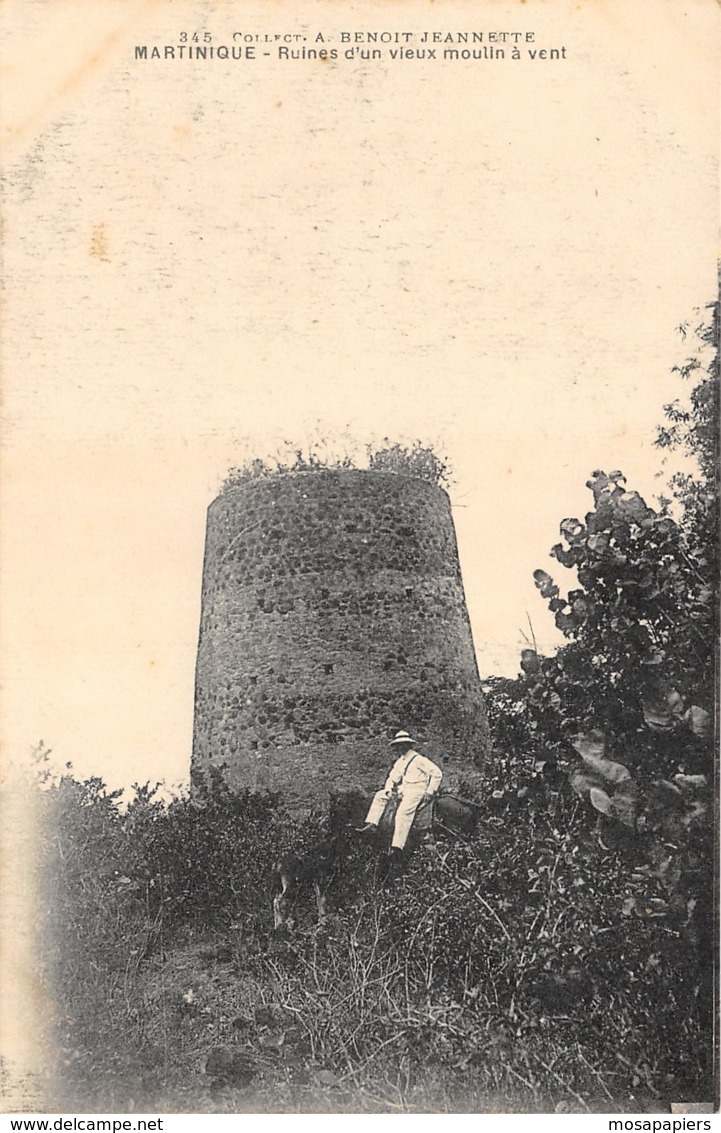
497	974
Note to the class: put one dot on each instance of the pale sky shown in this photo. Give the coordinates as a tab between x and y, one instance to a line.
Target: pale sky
204	259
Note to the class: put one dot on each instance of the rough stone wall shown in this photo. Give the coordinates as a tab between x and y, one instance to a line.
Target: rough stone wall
333	614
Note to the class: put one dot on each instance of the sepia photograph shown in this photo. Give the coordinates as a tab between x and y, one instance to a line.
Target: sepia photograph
359	559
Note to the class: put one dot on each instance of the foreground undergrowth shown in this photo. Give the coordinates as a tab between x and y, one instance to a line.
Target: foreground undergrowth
502	972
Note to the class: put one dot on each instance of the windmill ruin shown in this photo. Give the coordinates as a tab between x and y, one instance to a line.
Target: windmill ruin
333	613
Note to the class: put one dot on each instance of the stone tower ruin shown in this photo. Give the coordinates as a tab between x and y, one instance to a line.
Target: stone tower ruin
333	614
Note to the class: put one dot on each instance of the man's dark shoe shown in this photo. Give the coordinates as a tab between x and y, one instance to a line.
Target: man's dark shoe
366	828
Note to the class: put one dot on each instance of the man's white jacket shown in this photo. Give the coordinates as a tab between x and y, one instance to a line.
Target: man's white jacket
414	774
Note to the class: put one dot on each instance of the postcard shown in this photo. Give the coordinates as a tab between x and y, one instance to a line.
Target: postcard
323	323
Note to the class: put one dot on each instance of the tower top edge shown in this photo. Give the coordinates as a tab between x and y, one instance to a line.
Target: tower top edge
336	474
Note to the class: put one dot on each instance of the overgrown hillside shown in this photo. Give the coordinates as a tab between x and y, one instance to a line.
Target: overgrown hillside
505	971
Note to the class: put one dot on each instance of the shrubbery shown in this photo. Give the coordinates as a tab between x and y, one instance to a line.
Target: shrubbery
500	971
414	459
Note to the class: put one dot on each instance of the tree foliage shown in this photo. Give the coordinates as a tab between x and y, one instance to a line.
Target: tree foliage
693	424
626	707
640	624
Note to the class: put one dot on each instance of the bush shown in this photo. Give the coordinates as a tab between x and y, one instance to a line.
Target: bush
502	971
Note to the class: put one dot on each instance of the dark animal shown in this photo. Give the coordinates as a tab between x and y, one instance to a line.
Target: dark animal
313	867
319	865
293	873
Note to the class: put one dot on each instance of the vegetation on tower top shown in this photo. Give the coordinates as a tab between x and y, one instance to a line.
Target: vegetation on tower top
413	459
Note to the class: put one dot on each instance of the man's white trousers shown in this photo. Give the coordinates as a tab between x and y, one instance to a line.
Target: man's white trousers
409	801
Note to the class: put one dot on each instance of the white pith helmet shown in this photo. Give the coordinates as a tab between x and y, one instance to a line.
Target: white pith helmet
401	738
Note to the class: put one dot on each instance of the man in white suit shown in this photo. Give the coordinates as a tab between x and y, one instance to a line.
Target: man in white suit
413	779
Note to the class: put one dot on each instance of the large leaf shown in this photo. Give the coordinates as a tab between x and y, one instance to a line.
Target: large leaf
691	785
699	721
644	580
622	805
601	484
698	811
600	800
662	708
566	622
529	661
567	558
591	746
614	772
664	526
582	781
572	531
598	543
545	584
633	508
581	608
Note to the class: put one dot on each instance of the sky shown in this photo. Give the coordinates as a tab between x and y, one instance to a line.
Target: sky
204	260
